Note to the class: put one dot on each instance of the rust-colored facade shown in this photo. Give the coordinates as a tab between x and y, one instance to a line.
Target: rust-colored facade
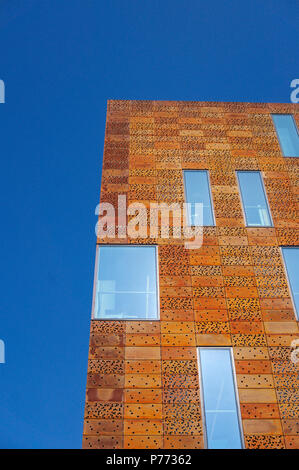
143	383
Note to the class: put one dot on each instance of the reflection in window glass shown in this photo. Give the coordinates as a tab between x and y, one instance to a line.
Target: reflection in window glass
291	259
253	198
198	191
126	287
287	133
219	399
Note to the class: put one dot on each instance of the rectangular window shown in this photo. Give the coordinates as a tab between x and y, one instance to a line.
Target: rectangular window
254	200
291	260
197	189
219	394
287	133
126	285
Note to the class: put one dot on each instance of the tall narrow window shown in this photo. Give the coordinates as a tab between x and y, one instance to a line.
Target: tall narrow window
254	200
291	259
126	284
221	412
197	189
287	133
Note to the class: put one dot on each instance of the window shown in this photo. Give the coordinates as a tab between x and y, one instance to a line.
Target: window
254	200
291	259
197	188
221	411
126	284
287	134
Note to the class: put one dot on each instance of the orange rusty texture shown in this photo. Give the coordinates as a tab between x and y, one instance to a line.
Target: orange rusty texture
142	384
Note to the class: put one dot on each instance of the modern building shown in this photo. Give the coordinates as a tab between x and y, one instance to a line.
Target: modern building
197	346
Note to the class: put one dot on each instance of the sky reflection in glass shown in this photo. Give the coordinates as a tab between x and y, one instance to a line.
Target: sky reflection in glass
197	190
126	287
287	134
219	399
291	259
254	199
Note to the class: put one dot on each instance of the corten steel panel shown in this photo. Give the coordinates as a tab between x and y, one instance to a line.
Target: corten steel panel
143	385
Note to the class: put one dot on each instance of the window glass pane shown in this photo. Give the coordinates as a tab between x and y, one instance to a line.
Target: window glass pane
198	191
219	399
287	133
253	198
291	258
127	283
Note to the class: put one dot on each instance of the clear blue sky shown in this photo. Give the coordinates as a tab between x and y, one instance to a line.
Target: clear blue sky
61	60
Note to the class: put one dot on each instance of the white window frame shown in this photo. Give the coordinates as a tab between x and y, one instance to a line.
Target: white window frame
296	314
242	201
96	272
278	138
201	391
210	194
